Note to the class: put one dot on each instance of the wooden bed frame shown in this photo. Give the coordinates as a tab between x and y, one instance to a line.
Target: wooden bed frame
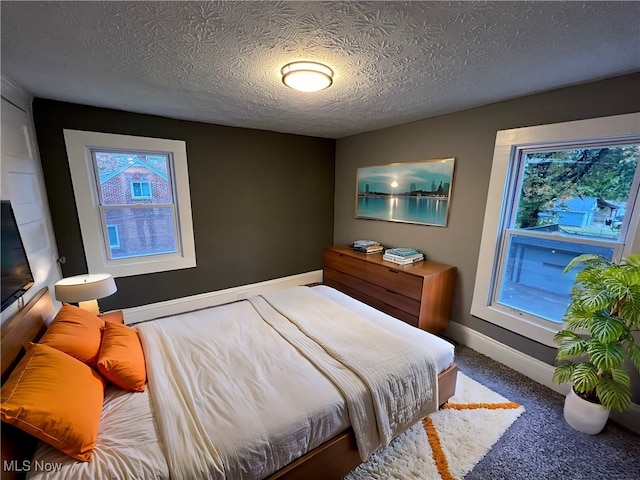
333	459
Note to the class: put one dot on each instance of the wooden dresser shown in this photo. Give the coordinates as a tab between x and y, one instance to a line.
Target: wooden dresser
420	294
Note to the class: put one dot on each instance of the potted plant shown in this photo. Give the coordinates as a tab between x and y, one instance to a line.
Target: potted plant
603	313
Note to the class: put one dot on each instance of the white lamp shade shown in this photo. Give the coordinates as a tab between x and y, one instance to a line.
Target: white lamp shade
82	288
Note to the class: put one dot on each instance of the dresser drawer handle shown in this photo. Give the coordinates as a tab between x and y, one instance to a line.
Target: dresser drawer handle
393	271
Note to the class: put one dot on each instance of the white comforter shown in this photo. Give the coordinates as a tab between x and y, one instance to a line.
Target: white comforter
226	405
206	424
233	399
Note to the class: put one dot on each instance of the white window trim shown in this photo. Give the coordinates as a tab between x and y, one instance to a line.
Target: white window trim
79	145
507	141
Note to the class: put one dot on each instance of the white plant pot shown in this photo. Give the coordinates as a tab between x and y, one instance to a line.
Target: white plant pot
584	416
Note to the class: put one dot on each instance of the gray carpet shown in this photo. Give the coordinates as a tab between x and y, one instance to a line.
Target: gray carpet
540	445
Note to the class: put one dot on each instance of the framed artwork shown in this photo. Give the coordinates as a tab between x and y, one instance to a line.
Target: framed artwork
415	192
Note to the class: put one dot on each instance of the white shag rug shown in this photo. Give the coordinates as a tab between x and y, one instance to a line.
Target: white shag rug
448	443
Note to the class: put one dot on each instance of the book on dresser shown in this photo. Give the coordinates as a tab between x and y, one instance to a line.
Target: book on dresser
378	249
420	293
403	255
367	246
402	252
403	261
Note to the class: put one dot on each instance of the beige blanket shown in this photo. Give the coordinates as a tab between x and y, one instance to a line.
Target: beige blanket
401	378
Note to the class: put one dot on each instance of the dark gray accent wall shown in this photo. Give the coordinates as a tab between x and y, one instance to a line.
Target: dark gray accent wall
469	136
262	202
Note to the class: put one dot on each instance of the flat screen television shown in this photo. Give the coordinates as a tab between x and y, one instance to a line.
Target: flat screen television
16	272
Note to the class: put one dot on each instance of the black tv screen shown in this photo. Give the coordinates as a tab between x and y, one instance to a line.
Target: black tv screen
16	273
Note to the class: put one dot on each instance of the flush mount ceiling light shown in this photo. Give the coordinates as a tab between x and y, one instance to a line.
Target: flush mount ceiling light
307	76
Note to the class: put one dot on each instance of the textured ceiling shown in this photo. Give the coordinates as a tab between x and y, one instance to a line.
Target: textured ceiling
394	62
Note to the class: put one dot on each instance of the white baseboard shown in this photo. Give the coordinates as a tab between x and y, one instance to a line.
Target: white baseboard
210	299
531	367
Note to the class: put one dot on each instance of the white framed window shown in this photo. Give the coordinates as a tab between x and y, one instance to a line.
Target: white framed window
114	236
556	191
141	190
133	200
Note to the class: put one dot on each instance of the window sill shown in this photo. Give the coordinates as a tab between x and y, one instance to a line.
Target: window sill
541	331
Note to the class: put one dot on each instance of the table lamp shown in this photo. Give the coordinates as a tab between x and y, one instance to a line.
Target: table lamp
85	290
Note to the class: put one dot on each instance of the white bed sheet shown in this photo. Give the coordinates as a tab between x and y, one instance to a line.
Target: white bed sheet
129	445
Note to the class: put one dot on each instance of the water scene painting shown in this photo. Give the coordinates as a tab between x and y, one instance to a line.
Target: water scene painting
417	192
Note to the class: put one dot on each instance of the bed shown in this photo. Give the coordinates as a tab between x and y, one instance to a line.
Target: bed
279	415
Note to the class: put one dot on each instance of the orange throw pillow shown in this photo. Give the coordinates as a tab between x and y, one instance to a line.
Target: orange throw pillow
121	359
76	332
55	398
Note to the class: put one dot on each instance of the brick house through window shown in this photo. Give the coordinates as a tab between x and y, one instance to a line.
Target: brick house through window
137	197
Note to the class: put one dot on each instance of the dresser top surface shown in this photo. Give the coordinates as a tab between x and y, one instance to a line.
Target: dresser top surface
422	268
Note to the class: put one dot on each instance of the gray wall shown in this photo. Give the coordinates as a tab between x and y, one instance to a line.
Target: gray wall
469	136
262	202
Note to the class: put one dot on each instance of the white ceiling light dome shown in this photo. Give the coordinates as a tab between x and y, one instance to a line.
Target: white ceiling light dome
307	76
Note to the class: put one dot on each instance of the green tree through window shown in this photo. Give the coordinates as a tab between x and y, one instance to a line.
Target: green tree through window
605	173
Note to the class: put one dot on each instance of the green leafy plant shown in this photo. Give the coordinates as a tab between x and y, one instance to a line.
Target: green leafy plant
603	313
